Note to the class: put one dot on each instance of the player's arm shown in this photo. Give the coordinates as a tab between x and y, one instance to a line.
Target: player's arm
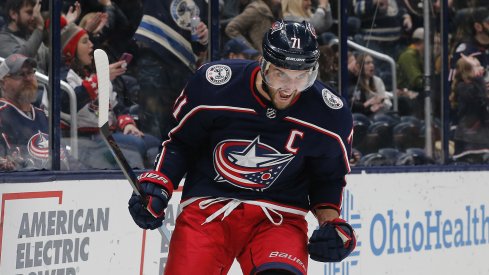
188	133
335	239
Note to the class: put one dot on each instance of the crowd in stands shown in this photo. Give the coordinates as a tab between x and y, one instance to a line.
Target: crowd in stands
154	46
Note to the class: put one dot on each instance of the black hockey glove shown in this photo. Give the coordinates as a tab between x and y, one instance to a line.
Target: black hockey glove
332	242
149	212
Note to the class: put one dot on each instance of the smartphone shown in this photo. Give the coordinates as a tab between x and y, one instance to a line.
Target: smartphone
126	57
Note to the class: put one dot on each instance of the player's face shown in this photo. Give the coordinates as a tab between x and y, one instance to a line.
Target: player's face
84	50
284	85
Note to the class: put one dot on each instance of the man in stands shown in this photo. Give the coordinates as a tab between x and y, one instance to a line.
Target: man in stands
24	32
23	127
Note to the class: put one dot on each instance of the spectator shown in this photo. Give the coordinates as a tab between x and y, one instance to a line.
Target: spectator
300	10
476	43
353	74
382	24
254	21
79	73
328	65
410	76
369	96
167	57
471	103
23	127
238	49
23	33
116	33
410	63
231	9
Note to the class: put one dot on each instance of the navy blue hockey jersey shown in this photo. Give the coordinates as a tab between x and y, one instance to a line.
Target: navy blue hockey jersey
24	136
233	143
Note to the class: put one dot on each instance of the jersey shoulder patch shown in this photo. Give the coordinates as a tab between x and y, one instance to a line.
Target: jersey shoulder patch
218	74
331	100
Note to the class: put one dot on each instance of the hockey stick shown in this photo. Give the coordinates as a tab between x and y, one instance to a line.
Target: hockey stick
102	67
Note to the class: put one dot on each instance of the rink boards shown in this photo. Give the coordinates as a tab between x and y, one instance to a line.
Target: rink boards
407	223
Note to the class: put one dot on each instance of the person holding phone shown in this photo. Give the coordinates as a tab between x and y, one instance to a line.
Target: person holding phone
79	72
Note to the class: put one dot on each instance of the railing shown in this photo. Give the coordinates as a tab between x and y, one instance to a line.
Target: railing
382	57
73	112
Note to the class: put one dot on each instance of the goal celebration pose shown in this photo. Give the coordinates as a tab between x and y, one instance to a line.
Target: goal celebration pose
261	144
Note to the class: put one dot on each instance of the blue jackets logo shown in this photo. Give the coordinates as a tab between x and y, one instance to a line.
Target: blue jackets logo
38	146
249	164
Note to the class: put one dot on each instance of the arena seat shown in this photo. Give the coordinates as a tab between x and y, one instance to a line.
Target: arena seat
414	156
360	128
406	134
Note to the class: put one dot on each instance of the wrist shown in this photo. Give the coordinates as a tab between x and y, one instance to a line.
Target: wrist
124	120
158	179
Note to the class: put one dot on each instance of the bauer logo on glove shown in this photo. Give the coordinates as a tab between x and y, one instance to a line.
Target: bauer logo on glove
149	212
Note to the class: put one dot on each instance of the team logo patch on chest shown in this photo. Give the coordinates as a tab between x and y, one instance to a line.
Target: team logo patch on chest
38	146
218	74
249	164
332	100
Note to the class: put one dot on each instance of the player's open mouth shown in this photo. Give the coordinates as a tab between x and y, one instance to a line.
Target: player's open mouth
284	96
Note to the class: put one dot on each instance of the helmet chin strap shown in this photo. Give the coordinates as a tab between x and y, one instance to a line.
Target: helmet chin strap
264	86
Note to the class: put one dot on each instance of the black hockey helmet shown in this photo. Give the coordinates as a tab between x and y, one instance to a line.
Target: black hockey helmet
291	45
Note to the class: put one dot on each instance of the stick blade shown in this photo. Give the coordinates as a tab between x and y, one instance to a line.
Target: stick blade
103	78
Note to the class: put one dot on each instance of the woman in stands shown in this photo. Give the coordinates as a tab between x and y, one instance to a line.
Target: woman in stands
470	102
79	72
369	96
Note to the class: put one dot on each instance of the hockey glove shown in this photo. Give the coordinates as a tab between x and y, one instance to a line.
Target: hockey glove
149	212
332	242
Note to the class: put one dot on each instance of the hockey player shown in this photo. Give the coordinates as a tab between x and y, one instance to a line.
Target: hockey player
262	143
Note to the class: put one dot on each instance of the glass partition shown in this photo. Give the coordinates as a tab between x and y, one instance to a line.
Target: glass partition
405	111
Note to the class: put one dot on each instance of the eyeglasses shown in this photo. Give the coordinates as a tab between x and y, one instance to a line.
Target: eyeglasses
22	75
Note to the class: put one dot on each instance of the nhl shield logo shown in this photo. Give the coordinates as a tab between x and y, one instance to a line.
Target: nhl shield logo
218	74
249	164
271	113
332	100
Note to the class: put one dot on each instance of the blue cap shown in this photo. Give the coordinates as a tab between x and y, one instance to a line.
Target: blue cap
237	46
